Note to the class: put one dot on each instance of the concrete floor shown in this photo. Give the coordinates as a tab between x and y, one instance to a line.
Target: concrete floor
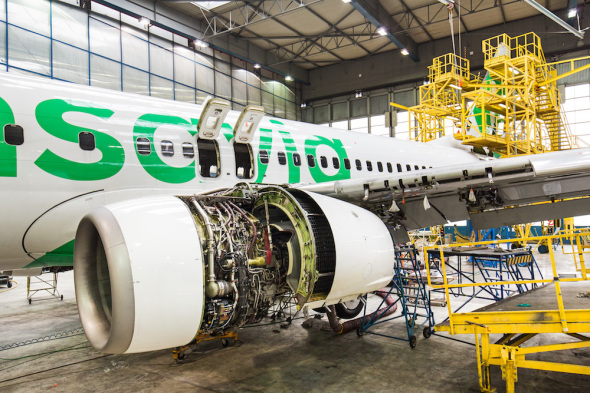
269	358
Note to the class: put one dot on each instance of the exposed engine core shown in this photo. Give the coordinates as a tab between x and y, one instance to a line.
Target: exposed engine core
152	273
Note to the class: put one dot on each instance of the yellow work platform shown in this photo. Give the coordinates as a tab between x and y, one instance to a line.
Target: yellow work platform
561	305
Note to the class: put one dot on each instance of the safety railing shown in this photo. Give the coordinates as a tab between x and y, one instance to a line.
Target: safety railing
447	286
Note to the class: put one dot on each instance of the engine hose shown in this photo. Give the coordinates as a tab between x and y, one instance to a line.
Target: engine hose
353	324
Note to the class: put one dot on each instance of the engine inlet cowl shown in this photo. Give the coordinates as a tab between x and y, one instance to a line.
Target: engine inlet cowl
138	271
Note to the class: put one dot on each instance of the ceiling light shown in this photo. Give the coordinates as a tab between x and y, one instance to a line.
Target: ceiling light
346	1
447	2
382	30
289	78
572	13
455	86
201	44
144	21
358	94
257	66
405	52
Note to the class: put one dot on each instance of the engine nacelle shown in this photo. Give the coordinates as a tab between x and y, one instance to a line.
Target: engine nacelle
152	273
138	271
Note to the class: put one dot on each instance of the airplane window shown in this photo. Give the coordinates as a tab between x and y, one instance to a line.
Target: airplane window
408	167
13	134
423	167
282	158
263	157
399	167
188	150
143	146
208	157
336	162
416	167
430	167
359	165
324	161
310	161
379	166
389	167
346	163
244	160
167	148
296	159
86	141
369	165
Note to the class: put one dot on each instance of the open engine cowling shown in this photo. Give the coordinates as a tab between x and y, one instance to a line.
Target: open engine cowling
154	272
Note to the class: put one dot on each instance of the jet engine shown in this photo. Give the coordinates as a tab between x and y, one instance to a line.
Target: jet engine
152	273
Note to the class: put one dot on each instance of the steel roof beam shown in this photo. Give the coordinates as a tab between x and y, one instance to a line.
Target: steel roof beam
374	12
418	20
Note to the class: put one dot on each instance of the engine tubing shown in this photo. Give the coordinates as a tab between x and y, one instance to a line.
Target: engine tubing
353	324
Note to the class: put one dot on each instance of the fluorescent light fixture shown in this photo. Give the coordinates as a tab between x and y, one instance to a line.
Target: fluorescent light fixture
502	105
382	30
572	13
144	21
455	87
289	78
346	1
358	94
201	44
257	66
405	52
447	2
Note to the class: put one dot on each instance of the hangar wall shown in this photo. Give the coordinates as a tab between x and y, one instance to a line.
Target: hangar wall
106	48
393	69
354	95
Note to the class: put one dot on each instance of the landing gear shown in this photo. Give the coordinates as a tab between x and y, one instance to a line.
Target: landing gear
349	309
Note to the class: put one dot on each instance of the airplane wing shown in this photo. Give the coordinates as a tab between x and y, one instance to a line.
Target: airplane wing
490	193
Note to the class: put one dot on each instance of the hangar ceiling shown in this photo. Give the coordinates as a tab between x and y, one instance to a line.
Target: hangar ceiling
317	33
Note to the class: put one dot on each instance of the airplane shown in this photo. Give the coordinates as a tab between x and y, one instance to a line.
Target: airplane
180	218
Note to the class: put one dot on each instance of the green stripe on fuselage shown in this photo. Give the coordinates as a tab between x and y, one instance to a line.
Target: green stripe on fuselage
61	256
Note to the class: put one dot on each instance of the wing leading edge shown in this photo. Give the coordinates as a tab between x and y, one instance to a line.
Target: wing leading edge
491	193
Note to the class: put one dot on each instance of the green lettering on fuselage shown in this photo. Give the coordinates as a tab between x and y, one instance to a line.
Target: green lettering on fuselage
291	148
7	152
145	127
50	114
265	144
317	174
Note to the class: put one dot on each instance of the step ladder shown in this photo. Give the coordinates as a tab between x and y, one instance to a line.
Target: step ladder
413	294
409	286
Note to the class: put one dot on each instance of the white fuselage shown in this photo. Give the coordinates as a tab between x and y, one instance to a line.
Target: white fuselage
47	183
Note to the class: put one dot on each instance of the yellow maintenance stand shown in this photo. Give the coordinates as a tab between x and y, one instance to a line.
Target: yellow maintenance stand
515	109
561	305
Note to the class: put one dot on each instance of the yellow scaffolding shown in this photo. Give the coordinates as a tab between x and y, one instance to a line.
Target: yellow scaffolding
516	326
517	109
514	110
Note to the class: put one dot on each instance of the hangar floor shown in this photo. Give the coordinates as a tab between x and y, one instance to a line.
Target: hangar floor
269	358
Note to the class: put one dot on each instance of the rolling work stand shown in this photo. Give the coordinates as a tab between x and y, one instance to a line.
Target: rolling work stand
38	286
413	298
